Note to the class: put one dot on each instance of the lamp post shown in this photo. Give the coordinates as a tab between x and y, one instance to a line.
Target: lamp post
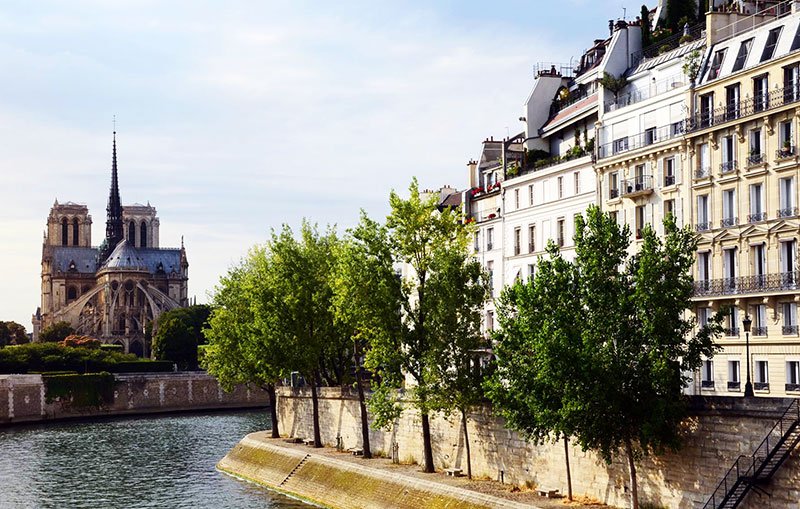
748	386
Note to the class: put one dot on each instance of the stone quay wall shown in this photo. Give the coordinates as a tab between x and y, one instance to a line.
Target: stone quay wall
718	431
23	397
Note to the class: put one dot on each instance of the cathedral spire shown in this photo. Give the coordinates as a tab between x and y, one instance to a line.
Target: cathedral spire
114	227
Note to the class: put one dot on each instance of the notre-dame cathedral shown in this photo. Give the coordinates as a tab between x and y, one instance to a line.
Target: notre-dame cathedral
113	291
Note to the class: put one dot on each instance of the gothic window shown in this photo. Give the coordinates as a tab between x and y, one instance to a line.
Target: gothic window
75	231
132	234
143	235
72	293
64	232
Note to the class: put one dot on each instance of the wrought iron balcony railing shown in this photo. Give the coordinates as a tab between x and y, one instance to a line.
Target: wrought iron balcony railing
640	140
759	103
755	159
707	384
702	227
757	217
669	180
760	331
613	193
640	184
761	386
734	386
728	167
789	330
785	152
701	173
748	284
792	387
787	212
728	222
732	332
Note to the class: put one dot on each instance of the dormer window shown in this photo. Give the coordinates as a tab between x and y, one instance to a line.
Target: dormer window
72	266
772	42
716	64
741	57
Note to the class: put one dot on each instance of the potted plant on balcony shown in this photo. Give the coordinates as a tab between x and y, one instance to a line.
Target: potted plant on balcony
786	149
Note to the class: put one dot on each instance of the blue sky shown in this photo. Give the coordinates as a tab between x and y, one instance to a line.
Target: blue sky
235	117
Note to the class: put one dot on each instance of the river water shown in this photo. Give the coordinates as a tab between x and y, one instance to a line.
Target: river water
132	462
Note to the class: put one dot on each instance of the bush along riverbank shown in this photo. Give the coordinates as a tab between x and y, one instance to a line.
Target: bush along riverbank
49	357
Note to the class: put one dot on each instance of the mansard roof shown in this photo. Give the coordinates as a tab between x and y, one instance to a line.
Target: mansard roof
83	258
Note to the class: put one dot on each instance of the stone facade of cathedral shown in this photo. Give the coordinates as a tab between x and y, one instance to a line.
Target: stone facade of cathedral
112	291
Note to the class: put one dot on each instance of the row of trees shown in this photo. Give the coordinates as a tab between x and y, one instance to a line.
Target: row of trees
594	350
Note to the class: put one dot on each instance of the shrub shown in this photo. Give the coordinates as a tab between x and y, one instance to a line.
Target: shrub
42	357
90	390
56	332
112	348
81	341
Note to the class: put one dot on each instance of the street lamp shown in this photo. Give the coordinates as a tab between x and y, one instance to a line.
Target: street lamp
748	386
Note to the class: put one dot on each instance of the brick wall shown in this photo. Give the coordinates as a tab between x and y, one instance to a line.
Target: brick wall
719	430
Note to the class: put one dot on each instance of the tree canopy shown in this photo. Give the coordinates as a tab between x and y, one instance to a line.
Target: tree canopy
179	332
56	332
12	333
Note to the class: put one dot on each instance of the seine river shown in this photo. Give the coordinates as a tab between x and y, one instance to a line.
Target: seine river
132	462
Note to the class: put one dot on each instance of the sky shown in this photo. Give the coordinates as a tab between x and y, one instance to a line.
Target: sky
236	117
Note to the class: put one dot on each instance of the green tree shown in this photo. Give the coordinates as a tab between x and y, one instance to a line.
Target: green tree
366	299
680	12
622	370
425	240
460	287
56	332
647	36
238	352
298	308
178	333
12	333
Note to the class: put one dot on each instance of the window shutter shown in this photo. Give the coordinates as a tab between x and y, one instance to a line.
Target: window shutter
660	177
678	168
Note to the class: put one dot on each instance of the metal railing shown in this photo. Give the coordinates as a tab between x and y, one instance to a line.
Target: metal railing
668	44
785	152
732	332
757	217
748	284
669	180
728	222
766	101
760	331
640	140
702	173
553	69
728	167
789	330
787	212
702	227
613	193
636	185
653	90
707	384
757	158
734	386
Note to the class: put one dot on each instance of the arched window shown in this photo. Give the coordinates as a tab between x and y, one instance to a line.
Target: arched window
64	232
143	235
132	234
75	231
72	293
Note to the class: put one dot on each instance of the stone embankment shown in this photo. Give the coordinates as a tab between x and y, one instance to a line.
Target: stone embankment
324	480
718	431
23	397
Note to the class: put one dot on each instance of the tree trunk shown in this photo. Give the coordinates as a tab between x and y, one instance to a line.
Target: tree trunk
569	474
632	470
466	443
362	405
273	409
426	444
315	409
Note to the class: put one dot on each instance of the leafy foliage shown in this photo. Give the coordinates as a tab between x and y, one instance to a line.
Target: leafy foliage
89	390
56	332
613	84
178	333
12	333
40	357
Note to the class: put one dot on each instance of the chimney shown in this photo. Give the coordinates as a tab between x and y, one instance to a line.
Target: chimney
611	27
473	173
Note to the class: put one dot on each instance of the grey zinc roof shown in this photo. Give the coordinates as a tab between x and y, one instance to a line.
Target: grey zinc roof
126	256
85	258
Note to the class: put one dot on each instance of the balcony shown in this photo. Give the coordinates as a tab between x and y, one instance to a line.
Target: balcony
734	386
756	158
785	152
669	180
761	386
787	212
776	98
763	283
707	384
757	217
732	332
695	32
728	222
702	173
760	331
702	227
789	330
638	186
613	193
792	387
640	140
728	167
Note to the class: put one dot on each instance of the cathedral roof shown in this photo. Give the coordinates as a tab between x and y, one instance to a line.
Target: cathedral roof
153	260
83	258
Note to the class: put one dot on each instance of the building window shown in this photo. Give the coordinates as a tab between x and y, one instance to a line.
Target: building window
669	208
489	239
530	195
614	216
64	232
789	318
772	41
489	321
516	199
706	110
760	320
143	235
531	271
531	238
788	256
756	155
762	375
75	236
786	139
560	233
132	234
761	93
490	273
639	221
759	264
793	376
707	380
560	187
729	208
791	81
72	293
703	161
703	218
577	180
732	322
728	155
734	375
732	95
669	171
716	64
729	259
517	235
786	196
613	185
704	268
703	314
756	204
741	57
476	240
